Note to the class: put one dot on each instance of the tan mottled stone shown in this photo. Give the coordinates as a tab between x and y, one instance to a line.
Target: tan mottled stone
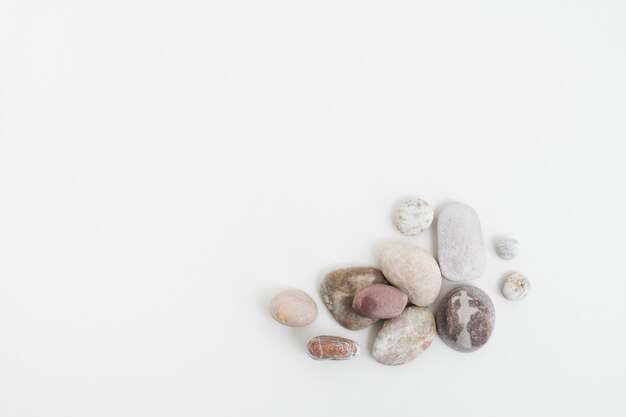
339	288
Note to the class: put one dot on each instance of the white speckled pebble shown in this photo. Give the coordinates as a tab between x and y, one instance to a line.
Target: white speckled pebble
516	287
414	216
507	248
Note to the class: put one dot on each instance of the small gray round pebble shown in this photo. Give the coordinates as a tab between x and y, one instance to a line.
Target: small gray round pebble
414	216
516	287
507	248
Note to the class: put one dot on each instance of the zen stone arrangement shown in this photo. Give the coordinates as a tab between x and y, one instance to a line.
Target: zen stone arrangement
402	291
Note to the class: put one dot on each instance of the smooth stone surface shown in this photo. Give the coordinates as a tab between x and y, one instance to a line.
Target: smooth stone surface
465	318
339	288
332	347
460	238
507	248
516	287
405	337
413	271
379	301
414	216
293	307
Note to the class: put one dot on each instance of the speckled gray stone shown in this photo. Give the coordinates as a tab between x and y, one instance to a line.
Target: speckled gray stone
516	287
460	241
293	307
414	216
405	337
340	287
507	248
413	271
465	318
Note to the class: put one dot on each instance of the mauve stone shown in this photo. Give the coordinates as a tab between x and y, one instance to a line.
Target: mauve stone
340	287
379	301
465	318
460	238
293	307
332	347
413	271
405	337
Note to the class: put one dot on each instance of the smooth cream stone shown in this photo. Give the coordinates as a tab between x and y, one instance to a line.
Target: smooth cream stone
413	271
293	307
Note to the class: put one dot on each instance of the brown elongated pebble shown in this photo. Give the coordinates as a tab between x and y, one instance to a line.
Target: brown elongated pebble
379	301
332	347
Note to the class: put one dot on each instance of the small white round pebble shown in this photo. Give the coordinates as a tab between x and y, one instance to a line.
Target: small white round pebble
414	216
516	287
507	248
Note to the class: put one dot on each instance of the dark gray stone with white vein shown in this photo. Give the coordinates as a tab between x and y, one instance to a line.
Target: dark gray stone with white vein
465	318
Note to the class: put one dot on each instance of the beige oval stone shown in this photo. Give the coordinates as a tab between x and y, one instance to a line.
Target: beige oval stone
413	271
293	307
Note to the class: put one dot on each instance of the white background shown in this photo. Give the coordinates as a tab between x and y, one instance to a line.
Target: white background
167	166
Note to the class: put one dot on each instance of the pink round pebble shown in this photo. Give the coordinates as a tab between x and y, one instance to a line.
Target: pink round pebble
379	301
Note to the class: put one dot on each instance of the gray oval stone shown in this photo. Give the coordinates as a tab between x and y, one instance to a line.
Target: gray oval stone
293	307
413	271
465	318
516	287
507	248
339	288
460	242
414	216
405	337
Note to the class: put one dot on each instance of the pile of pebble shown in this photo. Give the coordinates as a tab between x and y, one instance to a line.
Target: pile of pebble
406	284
